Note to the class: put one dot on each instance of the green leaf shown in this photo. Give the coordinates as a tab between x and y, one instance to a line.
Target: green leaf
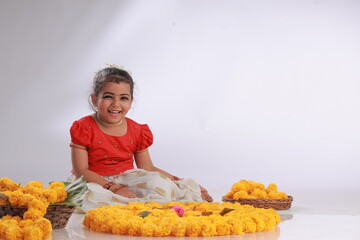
206	213
225	211
144	214
75	192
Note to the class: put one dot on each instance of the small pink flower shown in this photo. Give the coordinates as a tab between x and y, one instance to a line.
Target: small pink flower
179	210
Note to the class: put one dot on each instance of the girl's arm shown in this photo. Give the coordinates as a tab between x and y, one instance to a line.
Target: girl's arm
79	158
143	161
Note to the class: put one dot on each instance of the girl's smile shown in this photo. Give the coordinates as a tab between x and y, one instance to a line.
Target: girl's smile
113	102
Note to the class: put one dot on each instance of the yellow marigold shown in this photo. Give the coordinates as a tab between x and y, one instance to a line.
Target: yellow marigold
56	184
259	193
260	186
229	195
248	224
236	226
163	227
222	227
13	232
274	195
39	205
147	229
208	228
239	186
33	214
25	199
283	195
25	223
192	228
34	190
272	187
240	194
34	184
157	212
15	198
153	205
32	233
134	224
45	226
125	219
50	195
6	217
192	213
260	223
7	184
120	227
178	229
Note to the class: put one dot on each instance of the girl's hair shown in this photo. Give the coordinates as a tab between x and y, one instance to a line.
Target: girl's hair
111	73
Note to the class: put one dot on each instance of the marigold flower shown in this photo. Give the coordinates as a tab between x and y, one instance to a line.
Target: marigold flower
259	193
272	187
163	221
254	190
39	205
208	228
7	184
229	194
25	223
13	232
34	190
240	194
37	199
283	195
239	186
50	195
34	184
178	229
147	229
120	227
33	214
32	233
192	228
45	226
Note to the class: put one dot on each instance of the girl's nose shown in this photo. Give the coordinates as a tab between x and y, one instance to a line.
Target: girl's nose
117	102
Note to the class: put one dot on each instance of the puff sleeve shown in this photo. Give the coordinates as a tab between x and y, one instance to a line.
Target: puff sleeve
146	138
79	136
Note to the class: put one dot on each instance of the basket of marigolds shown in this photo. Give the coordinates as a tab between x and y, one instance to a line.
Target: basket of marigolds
31	211
257	195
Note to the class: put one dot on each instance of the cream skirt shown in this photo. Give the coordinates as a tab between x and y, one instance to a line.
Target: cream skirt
148	187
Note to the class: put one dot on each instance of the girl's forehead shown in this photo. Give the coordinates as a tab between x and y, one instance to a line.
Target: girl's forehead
114	87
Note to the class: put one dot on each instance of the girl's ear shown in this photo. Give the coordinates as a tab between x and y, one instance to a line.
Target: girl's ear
93	100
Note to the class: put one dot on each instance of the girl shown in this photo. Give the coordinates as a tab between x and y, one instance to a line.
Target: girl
105	144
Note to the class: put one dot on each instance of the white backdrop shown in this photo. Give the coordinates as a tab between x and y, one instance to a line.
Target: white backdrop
261	90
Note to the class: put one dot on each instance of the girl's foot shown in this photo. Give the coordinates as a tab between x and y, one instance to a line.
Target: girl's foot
205	196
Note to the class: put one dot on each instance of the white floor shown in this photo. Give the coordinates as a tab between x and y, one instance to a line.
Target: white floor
313	215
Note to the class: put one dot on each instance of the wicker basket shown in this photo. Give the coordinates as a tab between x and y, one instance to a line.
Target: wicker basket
57	214
277	204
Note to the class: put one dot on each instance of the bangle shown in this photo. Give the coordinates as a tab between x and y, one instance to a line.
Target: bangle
175	178
108	185
117	188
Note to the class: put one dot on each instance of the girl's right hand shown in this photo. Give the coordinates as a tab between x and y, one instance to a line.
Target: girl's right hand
125	192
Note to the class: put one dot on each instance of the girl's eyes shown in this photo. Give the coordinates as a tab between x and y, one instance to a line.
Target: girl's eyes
122	98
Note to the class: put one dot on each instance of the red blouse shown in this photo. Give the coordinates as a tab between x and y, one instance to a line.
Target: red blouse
110	155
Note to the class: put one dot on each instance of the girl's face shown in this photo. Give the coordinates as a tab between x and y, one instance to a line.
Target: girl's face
113	102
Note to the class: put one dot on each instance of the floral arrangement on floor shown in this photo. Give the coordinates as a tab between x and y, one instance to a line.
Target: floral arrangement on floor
178	219
36	198
246	189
